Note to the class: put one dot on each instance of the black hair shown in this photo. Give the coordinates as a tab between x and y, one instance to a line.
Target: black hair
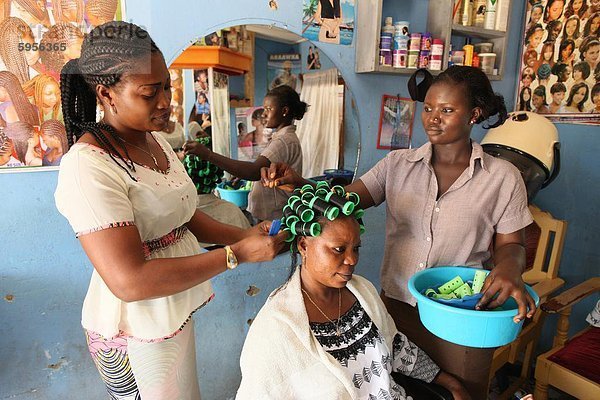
588	25
547	9
532	29
559	69
204	174
558	87
569	11
525	105
108	52
257	114
577	28
478	90
550	29
541	91
563	45
574	89
286	96
584	68
595	90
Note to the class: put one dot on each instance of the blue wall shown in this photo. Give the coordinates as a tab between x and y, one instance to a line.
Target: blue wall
46	272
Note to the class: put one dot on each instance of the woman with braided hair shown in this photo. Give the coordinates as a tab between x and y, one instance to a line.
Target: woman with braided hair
447	203
133	208
14	105
6	149
325	333
99	12
70	11
14	32
26	143
33	12
55	137
62	42
45	92
282	105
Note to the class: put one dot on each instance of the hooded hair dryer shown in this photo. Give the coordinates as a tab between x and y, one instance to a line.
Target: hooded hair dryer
530	142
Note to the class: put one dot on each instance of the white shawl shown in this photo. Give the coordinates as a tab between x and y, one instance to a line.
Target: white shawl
282	359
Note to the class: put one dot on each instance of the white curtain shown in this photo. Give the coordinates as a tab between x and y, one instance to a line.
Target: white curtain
319	130
219	110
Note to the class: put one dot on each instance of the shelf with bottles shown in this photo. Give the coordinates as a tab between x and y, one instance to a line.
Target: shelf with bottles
439	24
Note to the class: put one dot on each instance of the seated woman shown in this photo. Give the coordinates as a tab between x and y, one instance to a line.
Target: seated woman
325	333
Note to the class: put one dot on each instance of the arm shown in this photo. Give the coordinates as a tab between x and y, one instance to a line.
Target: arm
505	279
116	254
284	177
242	169
209	230
317	14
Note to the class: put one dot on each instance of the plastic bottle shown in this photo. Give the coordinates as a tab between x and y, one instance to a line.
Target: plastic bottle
386	42
479	13
466	13
490	14
502	10
468	49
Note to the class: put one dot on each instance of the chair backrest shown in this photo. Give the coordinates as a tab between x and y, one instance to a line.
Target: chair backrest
549	248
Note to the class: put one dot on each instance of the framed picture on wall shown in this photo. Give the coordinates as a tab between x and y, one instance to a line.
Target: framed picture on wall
559	73
395	122
38	39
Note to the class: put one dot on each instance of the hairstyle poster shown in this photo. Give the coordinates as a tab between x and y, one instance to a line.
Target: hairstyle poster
252	135
328	21
37	38
177	102
395	122
560	69
284	69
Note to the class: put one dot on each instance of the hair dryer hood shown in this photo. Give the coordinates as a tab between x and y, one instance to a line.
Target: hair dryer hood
530	142
528	132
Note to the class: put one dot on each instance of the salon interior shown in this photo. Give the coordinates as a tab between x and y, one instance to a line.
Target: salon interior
44	272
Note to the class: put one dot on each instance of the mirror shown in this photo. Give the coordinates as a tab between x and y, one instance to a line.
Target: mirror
225	100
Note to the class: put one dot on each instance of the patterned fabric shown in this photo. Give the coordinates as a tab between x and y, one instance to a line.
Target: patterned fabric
593	317
163	242
107	226
132	370
362	350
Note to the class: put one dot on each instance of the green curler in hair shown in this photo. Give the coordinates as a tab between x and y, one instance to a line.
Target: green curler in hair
305	213
362	229
359	213
290	217
306	228
353	197
322	184
330	212
307	188
346	206
339	190
291	237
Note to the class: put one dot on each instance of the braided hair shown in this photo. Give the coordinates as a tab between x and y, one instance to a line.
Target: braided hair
5	144
53	128
101	10
25	110
108	52
12	32
19	133
35	88
55	41
309	208
59	6
36	9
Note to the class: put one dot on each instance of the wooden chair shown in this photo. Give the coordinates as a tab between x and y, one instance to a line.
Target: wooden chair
552	371
543	277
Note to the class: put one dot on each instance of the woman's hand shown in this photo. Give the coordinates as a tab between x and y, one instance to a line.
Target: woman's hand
453	385
258	245
197	149
282	176
505	281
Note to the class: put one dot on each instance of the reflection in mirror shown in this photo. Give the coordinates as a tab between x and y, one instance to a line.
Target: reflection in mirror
243	104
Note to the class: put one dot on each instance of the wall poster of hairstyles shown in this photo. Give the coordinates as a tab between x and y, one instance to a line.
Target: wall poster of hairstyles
395	123
37	38
559	73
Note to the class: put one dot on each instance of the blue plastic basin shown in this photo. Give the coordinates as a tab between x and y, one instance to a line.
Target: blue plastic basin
461	326
238	197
